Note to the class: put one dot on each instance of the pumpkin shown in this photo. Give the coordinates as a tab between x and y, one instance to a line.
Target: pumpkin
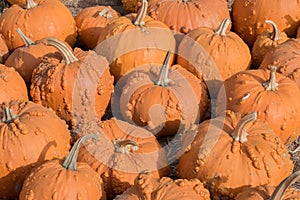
285	57
67	180
25	59
12	85
4	52
298	32
273	96
121	153
282	191
20	2
134	40
91	21
266	41
149	188
30	134
249	17
131	6
77	88
160	99
34	21
232	152
187	15
222	46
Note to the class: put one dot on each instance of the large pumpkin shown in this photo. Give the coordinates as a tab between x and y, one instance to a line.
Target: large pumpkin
34	21
30	134
186	15
231	152
77	88
64	180
134	40
121	153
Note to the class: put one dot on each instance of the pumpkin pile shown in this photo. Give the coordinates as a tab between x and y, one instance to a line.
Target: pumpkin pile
150	100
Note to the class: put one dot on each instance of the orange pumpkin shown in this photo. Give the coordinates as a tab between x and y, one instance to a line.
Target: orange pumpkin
4	52
131	6
20	2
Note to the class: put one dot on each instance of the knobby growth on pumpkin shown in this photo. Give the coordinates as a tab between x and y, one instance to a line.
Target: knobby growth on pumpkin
223	27
8	115
30	4
275	35
71	160
125	146
163	74
240	132
28	42
105	13
139	20
271	84
67	54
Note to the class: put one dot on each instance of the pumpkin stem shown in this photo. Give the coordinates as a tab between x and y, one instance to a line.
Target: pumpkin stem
139	20
240	129
163	74
70	161
105	13
125	146
284	185
63	49
271	84
275	35
26	39
30	4
223	27
8	115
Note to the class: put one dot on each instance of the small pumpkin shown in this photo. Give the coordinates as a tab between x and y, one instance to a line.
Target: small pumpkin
4	52
222	46
30	134
232	146
134	40
34	22
149	188
91	21
266	41
67	180
272	95
121	153
77	87
131	6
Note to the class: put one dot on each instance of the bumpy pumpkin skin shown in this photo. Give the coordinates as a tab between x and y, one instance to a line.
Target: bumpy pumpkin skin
119	169
4	52
149	188
12	85
216	157
37	23
185	15
245	93
285	58
90	22
27	141
223	48
131	6
249	17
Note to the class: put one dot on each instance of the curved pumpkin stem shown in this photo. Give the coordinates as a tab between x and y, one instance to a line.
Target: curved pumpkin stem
105	13
275	35
223	27
163	74
139	20
125	146
284	185
240	130
271	84
30	4
8	115
71	160
28	42
63	49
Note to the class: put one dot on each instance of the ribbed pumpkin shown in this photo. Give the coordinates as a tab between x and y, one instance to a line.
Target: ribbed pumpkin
273	96
186	15
91	21
30	134
4	52
266	41
121	153
77	88
34	21
233	152
134	40
149	188
249	17
64	180
222	45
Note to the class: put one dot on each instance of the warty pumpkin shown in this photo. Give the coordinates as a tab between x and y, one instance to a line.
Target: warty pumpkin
131	6
4	52
64	180
34	22
233	152
30	134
